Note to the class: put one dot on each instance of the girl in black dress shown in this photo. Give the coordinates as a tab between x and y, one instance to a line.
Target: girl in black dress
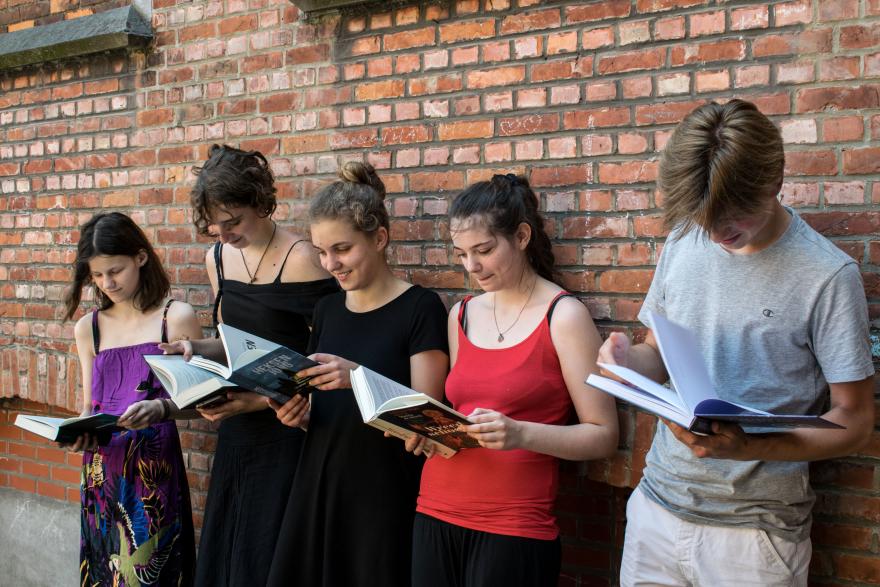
350	513
266	281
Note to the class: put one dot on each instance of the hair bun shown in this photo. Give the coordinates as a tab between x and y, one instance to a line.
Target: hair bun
362	173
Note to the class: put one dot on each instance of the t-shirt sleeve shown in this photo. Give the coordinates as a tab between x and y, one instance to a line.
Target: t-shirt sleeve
428	325
655	301
840	328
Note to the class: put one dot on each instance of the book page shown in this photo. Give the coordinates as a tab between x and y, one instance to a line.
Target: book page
237	342
684	361
646	385
173	369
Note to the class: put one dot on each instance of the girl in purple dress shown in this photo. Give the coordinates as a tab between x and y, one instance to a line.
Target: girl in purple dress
136	517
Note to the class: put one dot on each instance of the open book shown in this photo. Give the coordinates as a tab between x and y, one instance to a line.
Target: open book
253	363
403	412
690	401
66	431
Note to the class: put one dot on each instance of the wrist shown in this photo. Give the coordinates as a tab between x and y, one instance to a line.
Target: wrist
163	410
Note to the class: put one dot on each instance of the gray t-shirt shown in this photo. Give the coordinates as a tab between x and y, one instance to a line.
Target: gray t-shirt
774	327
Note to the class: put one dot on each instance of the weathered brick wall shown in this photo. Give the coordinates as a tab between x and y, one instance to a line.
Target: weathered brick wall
16	15
580	97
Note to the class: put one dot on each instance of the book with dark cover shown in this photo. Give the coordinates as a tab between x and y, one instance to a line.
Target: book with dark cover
67	430
252	363
690	401
403	412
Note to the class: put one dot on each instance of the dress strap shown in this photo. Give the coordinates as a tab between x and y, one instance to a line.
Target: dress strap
280	271
218	263
462	313
165	320
559	296
96	334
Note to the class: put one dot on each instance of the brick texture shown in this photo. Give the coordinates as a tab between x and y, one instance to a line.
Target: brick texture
579	97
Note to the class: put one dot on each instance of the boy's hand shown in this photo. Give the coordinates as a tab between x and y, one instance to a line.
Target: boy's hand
614	351
727	441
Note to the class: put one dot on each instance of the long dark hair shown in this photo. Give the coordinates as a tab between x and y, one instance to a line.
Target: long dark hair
504	202
232	178
115	233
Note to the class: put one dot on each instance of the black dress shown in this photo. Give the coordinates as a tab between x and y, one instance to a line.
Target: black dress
256	456
349	518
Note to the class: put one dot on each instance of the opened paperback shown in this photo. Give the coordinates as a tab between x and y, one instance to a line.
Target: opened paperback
252	363
403	412
690	400
67	430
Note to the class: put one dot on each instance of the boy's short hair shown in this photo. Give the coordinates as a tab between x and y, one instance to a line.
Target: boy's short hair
723	161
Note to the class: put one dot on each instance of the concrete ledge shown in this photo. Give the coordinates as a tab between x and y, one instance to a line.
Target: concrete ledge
39	539
313	6
114	29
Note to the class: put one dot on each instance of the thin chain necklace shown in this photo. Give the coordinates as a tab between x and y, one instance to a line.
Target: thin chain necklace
501	333
253	278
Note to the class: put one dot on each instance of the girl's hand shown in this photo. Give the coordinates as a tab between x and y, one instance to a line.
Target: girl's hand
178	347
240	402
332	373
295	412
141	414
494	430
84	442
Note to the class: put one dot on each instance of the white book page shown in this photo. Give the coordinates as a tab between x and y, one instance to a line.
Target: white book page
684	361
174	368
238	342
642	399
362	393
648	385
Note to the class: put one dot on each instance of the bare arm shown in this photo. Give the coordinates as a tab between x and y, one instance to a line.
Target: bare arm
85	350
183	324
576	341
429	371
852	405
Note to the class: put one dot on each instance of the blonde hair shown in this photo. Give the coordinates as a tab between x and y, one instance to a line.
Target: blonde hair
358	197
722	161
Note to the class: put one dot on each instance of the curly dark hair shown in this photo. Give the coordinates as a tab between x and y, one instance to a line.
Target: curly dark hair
503	203
358	197
232	178
115	233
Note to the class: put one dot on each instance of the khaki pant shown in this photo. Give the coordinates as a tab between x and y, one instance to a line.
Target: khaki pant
661	549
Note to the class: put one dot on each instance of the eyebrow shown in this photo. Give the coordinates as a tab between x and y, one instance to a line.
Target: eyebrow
476	246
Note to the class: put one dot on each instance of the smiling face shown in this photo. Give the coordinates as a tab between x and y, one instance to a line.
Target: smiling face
746	233
354	258
117	276
496	262
235	226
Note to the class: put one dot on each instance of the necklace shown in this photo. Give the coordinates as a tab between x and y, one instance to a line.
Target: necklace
253	277
501	333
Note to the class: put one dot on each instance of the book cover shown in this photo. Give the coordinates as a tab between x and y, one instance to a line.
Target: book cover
67	430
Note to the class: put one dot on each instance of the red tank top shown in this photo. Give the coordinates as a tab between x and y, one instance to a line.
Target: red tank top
503	492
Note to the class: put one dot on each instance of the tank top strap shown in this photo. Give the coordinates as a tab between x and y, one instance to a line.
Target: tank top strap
218	263
165	320
462	313
96	334
284	262
559	296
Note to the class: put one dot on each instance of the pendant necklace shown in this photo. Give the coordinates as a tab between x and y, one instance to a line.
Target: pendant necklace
253	278
501	333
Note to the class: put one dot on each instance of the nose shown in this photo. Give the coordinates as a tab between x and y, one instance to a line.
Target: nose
470	264
330	262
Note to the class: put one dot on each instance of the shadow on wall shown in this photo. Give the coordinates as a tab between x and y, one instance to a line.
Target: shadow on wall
39	539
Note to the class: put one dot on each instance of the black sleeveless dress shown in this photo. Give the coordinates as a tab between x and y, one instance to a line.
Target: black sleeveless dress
256	456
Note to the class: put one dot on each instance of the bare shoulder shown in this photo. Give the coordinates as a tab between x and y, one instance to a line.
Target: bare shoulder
180	311
302	263
571	317
82	333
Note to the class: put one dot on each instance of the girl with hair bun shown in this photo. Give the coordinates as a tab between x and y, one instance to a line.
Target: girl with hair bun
350	513
520	353
266	280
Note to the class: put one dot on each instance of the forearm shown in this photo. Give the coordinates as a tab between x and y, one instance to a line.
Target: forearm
645	359
579	442
210	348
814	444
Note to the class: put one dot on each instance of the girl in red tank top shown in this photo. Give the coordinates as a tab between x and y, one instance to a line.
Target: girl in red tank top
520	353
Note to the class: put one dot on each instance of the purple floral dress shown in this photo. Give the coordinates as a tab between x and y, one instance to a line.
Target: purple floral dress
135	511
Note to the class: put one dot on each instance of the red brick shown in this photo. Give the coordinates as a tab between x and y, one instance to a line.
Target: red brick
308	54
531	21
663	5
626	280
595	227
596	118
727	50
843	128
631	61
528	124
837	98
379	90
354	139
440	181
467	30
453	131
560	176
564	69
237	24
401	135
408	39
861	161
597	11
500	76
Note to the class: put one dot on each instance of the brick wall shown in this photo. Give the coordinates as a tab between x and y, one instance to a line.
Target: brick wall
578	96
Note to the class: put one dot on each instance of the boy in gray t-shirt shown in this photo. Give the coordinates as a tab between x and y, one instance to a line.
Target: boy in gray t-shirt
780	316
